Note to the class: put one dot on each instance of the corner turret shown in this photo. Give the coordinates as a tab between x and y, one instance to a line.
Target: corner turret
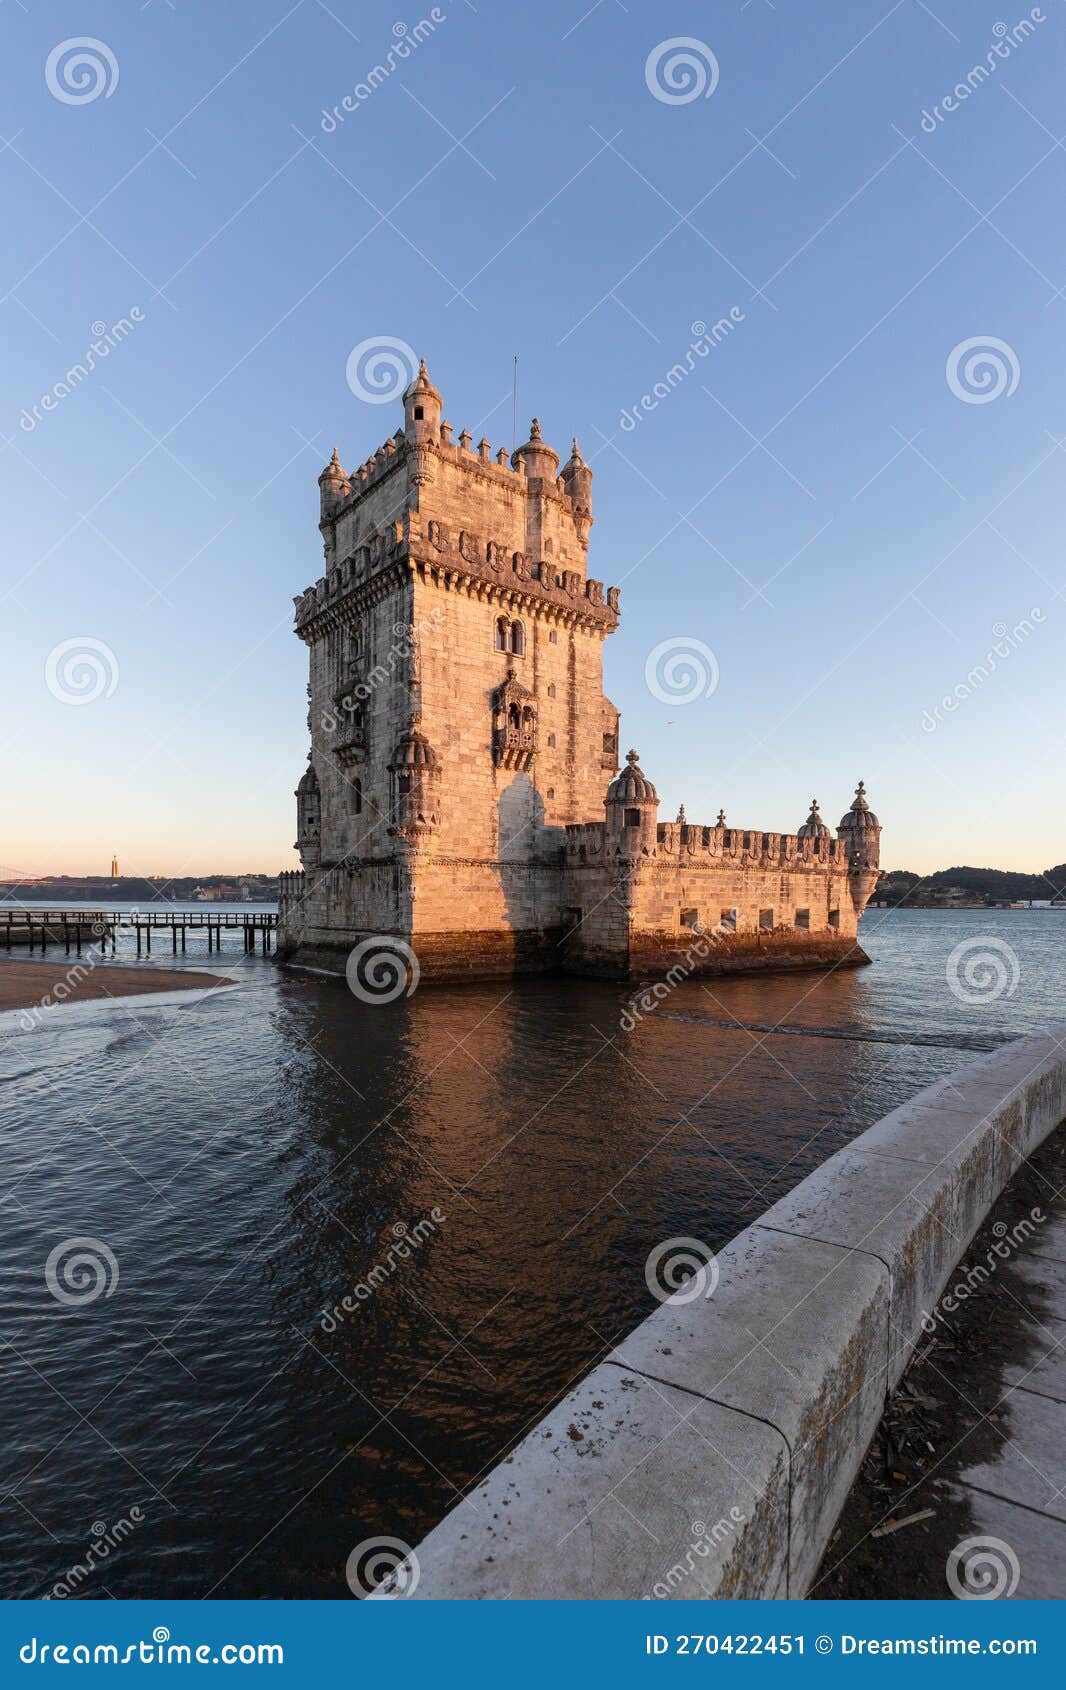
632	806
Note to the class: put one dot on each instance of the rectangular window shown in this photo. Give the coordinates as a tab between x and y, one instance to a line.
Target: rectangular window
690	919
803	918
834	918
766	920
728	922
571	920
632	818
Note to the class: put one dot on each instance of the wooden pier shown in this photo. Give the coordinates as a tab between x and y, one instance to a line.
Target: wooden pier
37	929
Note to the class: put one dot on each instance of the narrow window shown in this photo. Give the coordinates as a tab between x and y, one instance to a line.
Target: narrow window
690	919
571	919
803	918
728	922
551	792
631	818
551	690
501	635
766	920
358	796
405	785
551	739
834	918
553	638
418	413
518	639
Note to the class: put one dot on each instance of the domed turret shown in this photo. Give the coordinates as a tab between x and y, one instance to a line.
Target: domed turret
414	787
814	827
540	462
861	830
576	480
631	785
333	485
632	806
308	817
421	408
859	820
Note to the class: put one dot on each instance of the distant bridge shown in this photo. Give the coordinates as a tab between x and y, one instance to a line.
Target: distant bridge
40	928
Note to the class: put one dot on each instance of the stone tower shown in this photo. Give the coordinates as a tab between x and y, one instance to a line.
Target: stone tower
457	715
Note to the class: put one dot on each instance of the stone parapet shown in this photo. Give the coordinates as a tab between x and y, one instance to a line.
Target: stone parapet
709	1455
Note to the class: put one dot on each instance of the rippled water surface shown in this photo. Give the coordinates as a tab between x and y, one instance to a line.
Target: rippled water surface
251	1159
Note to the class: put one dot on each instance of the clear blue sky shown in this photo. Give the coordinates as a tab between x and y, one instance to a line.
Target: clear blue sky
515	186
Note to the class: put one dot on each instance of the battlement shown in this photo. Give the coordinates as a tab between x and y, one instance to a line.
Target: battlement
434	546
729	846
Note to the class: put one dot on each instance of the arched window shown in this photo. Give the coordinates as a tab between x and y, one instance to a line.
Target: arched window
514	716
551	690
518	639
501	633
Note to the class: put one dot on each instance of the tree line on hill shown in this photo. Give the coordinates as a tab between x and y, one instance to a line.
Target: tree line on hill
982	885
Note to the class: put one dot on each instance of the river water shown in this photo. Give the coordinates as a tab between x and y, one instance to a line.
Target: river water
250	1159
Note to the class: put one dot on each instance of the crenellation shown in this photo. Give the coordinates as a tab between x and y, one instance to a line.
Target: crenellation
456	795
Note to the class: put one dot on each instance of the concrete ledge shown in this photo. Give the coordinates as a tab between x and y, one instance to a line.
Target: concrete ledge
712	1451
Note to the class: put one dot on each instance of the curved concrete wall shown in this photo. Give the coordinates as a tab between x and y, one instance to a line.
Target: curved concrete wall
711	1453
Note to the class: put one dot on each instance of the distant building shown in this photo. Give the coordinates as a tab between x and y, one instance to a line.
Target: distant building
114	868
456	798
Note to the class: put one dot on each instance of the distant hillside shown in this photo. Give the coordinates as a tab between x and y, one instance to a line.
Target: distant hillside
985	885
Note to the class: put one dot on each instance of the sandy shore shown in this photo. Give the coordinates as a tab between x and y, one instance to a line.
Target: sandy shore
23	985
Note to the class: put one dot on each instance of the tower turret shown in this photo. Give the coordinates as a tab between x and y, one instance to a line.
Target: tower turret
632	806
309	818
814	827
414	779
576	479
421	410
333	485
